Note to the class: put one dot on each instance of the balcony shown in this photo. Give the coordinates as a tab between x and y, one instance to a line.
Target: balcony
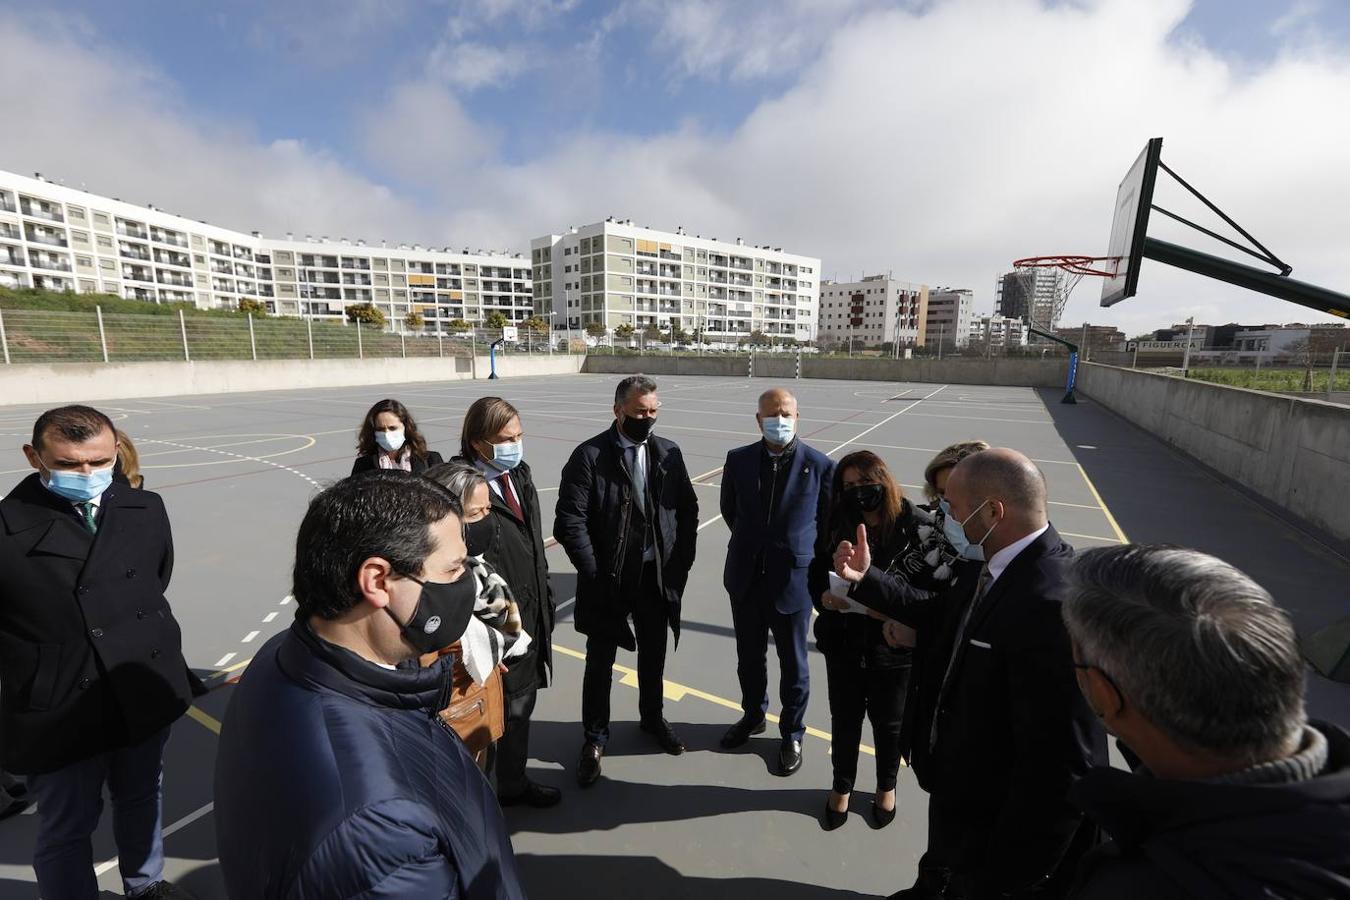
38	210
220	249
11	256
243	269
52	283
131	251
132	230
356	264
175	296
168	237
137	293
356	279
7	204
243	253
40	260
10	230
46	236
169	258
172	278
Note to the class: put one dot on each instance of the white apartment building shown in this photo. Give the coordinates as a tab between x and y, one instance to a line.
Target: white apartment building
949	315
877	310
1037	295
997	332
616	273
63	239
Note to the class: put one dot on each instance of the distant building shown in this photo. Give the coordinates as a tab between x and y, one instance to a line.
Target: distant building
949	313
877	310
615	273
997	332
1033	295
1099	338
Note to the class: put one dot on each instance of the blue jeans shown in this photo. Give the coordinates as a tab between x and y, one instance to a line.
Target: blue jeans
70	801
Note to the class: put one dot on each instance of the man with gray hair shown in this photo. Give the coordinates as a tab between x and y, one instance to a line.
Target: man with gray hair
628	518
1195	669
995	727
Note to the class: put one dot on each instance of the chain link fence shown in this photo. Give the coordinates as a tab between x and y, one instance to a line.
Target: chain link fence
46	336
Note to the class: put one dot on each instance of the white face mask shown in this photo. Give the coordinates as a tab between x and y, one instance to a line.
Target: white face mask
390	440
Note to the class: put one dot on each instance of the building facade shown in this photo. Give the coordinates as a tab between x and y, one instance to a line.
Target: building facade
615	273
59	238
996	332
877	310
1033	295
949	315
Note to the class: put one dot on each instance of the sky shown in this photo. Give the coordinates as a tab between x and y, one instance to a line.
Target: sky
936	140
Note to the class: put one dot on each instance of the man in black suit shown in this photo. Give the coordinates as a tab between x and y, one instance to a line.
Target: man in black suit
91	666
628	519
996	727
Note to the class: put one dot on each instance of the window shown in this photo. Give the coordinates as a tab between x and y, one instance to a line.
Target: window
105	241
84	261
102	219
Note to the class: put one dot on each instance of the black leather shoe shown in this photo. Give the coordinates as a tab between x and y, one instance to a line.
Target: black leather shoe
883	817
539	796
665	736
13	808
588	767
739	733
833	817
164	890
789	757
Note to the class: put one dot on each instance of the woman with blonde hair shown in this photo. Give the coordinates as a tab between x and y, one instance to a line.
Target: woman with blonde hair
127	466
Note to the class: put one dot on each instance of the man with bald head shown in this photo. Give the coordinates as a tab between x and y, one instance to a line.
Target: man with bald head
995	727
775	499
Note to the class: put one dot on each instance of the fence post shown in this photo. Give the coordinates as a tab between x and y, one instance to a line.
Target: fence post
440	341
403	343
102	336
182	329
360	350
4	340
309	329
252	341
1331	376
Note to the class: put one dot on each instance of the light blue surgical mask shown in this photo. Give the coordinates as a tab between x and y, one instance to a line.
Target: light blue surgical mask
955	532
508	456
390	440
778	430
77	487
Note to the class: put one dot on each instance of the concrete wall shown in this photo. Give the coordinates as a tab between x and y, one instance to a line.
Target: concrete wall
1293	452
1012	372
87	382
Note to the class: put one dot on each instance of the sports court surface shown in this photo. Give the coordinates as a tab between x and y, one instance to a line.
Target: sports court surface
236	471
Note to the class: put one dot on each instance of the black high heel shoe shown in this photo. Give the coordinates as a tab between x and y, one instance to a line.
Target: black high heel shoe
834	818
883	817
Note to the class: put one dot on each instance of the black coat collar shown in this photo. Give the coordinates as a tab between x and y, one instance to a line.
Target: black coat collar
31	505
310	660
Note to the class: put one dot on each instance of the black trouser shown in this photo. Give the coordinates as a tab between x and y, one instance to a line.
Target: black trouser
651	615
513	747
855	691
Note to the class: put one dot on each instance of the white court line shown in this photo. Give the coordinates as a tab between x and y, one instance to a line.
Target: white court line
987	419
223	660
182	823
240	456
563	605
287	599
269	617
249	637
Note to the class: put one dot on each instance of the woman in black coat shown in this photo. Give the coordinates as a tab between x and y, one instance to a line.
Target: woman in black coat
867	658
389	439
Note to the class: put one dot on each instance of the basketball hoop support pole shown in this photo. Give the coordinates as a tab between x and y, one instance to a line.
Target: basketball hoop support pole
1073	360
1254	279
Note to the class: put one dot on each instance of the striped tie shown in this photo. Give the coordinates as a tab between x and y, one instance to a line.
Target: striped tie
87	514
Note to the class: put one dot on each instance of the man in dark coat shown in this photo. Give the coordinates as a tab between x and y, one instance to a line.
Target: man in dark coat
776	501
628	518
1197	671
996	727
335	775
492	439
91	665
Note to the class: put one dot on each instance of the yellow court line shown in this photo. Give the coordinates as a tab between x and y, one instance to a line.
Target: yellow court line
1100	502
207	721
1090	537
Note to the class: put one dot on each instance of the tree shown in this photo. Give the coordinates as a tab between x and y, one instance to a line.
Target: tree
652	332
759	339
251	305
414	321
368	313
597	329
458	325
496	319
624	331
679	336
537	324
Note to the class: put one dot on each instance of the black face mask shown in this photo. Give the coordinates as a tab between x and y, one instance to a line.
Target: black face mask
479	536
637	430
864	497
442	614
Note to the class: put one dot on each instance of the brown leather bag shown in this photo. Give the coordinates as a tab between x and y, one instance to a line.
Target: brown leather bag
476	712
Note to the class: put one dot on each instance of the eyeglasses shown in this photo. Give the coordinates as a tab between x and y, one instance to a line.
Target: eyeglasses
1120	696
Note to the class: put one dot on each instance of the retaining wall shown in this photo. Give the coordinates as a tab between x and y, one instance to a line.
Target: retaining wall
1293	452
1011	372
87	382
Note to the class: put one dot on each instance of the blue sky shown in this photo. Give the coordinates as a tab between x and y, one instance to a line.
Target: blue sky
820	125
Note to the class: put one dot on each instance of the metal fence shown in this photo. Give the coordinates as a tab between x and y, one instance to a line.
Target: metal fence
44	336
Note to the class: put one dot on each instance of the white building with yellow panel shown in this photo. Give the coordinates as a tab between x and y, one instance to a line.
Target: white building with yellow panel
617	273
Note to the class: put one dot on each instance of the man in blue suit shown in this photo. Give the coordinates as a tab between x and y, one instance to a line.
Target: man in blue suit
775	498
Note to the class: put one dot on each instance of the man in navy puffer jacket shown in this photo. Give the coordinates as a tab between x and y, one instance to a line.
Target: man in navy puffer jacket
335	777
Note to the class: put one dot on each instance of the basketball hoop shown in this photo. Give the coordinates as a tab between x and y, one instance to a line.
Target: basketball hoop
1074	265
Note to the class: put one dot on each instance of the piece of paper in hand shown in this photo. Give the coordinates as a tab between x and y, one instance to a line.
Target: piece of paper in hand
839	588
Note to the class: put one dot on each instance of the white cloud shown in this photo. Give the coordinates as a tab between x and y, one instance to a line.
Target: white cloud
469	65
939	144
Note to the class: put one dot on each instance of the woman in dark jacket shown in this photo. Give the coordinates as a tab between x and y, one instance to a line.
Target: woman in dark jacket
867	659
389	439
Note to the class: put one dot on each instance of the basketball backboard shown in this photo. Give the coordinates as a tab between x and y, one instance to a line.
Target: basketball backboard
1133	201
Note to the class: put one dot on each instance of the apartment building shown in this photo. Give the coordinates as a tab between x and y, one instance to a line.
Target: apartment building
949	314
62	239
615	273
877	310
1033	295
997	332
